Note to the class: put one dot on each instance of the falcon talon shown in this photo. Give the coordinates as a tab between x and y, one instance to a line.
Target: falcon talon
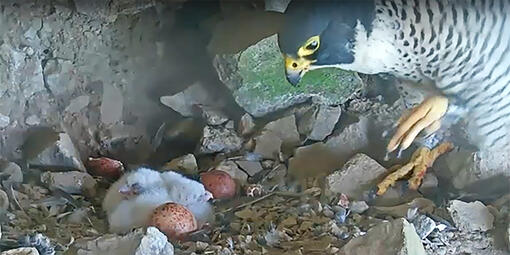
387	156
421	160
399	153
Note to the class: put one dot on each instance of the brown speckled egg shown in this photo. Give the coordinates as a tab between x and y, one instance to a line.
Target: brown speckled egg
219	183
175	220
105	167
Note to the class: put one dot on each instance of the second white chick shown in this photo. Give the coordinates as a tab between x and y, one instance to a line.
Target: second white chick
130	201
191	194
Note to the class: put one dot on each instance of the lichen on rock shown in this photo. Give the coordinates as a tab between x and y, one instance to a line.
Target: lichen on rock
256	77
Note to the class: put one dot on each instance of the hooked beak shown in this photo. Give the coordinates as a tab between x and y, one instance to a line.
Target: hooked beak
125	190
296	68
208	196
293	77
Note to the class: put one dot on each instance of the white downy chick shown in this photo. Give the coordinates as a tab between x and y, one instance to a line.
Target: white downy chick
131	200
191	194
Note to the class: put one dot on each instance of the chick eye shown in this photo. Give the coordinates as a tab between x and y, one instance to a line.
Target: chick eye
312	45
136	187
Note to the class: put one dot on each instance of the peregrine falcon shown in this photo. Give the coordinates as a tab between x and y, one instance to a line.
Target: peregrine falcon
457	52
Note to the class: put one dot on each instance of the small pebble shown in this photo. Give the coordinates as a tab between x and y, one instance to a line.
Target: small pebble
423	225
356	218
358	206
341	215
304	208
267	164
337	208
344	235
328	213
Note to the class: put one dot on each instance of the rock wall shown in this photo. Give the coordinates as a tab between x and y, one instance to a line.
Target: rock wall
95	71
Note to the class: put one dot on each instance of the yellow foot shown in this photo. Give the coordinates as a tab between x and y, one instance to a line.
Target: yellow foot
425	117
422	159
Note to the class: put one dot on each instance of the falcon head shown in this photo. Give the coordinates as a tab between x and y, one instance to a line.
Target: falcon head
319	34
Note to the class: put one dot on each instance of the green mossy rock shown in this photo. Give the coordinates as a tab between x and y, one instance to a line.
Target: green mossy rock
257	80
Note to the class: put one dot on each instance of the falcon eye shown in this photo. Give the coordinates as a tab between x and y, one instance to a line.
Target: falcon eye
309	47
312	45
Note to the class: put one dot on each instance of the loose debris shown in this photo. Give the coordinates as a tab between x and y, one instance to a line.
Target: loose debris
421	160
276	192
72	182
388	238
21	251
471	216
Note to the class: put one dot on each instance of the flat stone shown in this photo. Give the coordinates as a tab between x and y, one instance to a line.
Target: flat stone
351	140
21	251
359	174
154	243
219	139
62	153
111	244
286	129
13	173
423	205
387	238
32	120
305	118
257	80
72	182
358	206
185	164
325	122
230	124
4	121
471	217
315	160
250	167
233	170
424	225
268	145
185	101
465	167
77	104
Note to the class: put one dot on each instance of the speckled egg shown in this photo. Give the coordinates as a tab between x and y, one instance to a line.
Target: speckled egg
219	183
175	220
105	167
